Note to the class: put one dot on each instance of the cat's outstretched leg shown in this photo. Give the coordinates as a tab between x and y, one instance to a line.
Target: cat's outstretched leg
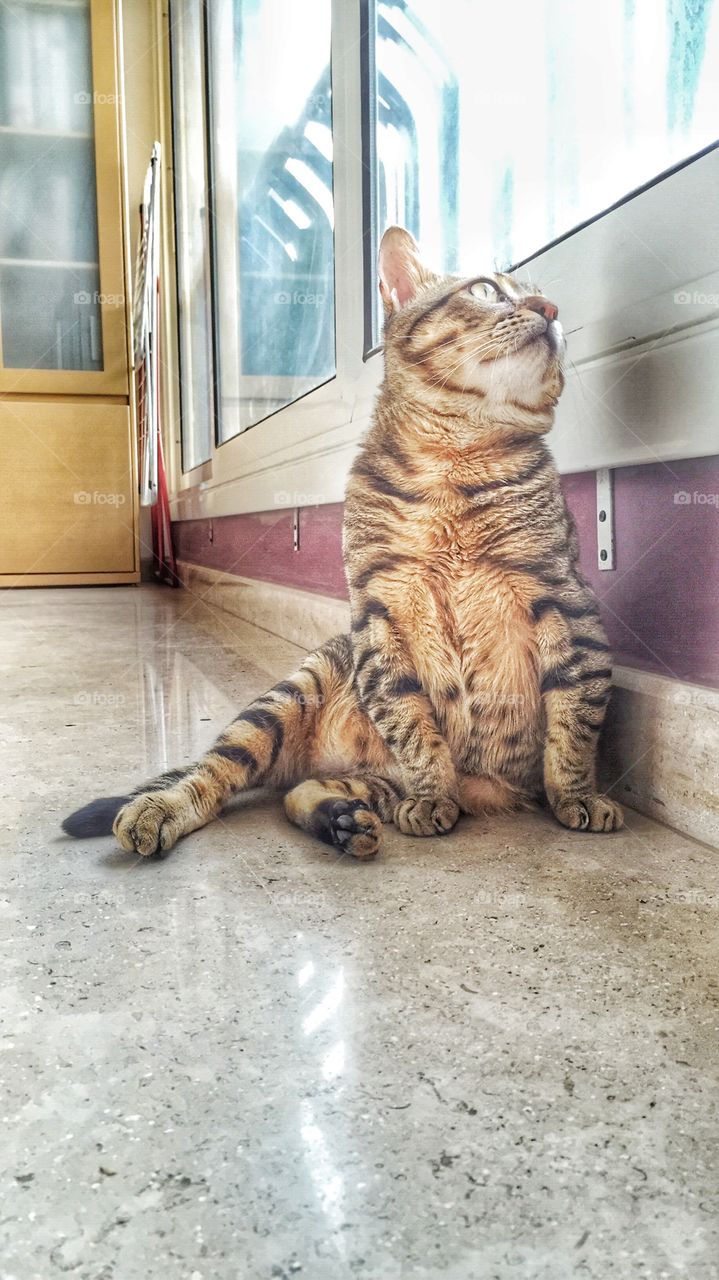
346	812
262	747
270	744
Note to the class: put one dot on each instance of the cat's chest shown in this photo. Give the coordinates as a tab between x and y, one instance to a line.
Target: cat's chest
475	655
449	539
455	537
475	563
477	614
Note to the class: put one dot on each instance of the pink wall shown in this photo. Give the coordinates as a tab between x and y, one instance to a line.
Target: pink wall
660	604
260	546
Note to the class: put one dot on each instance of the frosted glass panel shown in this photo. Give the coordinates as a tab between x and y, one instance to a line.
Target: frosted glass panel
500	127
270	99
49	275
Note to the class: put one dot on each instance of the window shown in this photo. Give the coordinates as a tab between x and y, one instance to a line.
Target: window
488	131
498	128
192	233
273	215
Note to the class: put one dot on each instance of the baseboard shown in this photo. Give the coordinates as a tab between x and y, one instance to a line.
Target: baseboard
660	744
302	617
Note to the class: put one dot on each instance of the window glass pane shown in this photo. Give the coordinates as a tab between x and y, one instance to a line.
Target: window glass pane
49	275
193	237
273	217
500	127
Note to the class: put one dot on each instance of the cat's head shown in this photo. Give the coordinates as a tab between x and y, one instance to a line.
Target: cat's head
483	344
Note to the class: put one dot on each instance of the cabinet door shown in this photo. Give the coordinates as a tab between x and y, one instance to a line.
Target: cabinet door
70	508
62	303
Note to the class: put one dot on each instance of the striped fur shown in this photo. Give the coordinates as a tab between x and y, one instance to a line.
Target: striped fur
477	671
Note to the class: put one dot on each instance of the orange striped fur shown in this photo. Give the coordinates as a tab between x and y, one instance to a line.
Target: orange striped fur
477	672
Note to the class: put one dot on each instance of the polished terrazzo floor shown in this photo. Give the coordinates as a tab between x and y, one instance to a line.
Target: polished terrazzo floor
484	1057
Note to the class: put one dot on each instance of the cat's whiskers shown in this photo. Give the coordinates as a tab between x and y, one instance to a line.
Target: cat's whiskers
454	341
478	351
481	351
442	378
578	375
548	283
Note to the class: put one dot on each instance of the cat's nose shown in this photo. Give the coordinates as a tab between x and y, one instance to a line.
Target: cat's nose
545	308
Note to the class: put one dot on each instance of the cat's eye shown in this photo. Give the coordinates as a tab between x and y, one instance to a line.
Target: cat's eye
487	290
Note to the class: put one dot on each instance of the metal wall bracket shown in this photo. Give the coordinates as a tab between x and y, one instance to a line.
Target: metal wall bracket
605	518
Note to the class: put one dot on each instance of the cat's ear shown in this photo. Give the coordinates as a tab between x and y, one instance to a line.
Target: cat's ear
401	270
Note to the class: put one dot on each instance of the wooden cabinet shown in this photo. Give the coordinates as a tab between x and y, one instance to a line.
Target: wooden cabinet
65	417
70	508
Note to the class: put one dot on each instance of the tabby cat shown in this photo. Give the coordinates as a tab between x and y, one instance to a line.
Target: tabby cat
477	671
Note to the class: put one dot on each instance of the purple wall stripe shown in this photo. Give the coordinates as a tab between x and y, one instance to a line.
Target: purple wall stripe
260	546
660	604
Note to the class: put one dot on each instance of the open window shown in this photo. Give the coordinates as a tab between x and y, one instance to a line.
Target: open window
270	145
537	142
583	156
252	103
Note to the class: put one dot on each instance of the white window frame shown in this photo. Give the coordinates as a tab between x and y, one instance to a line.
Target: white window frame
644	380
638	292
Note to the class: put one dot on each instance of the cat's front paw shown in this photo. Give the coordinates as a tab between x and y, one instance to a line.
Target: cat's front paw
588	813
426	815
150	823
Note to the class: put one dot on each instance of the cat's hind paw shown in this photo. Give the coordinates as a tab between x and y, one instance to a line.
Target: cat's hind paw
353	827
151	823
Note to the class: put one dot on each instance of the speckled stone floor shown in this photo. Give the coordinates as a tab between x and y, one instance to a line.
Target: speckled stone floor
484	1057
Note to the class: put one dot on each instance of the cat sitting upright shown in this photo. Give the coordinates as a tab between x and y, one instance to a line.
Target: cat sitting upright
477	672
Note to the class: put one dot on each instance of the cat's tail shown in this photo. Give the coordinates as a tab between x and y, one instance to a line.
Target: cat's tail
95	818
